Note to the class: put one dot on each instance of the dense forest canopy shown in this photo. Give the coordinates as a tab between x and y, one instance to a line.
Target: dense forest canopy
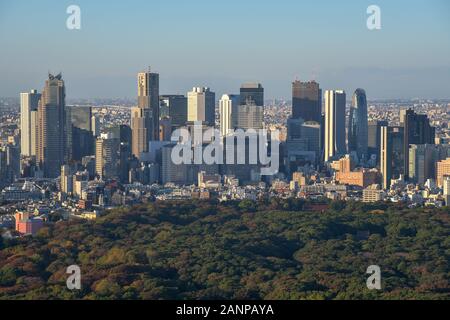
238	250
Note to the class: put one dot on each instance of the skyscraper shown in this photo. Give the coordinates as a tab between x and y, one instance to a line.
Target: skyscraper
250	113
422	162
148	98
28	110
374	137
52	133
358	125
95	126
252	94
139	128
334	123
306	101
417	131
391	154
228	106
145	117
107	157
303	144
81	117
250	117
82	136
175	108
202	105
124	136
66	180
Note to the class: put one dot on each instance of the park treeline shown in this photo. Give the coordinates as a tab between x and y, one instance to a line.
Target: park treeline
272	249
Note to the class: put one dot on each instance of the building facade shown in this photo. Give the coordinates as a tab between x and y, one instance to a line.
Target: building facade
335	145
29	103
358	126
52	127
306	101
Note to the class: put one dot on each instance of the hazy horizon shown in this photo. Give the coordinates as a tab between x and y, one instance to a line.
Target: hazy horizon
223	44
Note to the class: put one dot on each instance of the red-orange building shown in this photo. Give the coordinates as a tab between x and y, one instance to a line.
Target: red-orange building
27	225
362	178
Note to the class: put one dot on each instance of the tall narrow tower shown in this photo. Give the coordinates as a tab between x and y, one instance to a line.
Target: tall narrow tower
145	121
358	125
51	127
228	106
334	123
28	110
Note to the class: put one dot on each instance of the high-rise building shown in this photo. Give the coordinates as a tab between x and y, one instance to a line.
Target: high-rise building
95	126
202	105
252	94
446	193
228	107
4	180
422	162
124	136
165	129
66	180
417	131
34	132
170	172
250	113
374	137
311	131
358	126
148	98
83	139
107	157
52	133
335	101
175	108
391	154
145	117
306	101
249	117
442	171
121	132
9	164
80	183
140	122
28	110
81	117
303	145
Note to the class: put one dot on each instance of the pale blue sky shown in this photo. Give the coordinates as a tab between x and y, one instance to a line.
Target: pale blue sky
221	44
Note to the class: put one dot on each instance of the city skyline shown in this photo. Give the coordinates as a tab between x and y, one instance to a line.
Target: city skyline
99	60
217	151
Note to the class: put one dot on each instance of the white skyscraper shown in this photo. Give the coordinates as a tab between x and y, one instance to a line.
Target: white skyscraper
228	106
335	145
202	105
447	190
95	126
28	111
